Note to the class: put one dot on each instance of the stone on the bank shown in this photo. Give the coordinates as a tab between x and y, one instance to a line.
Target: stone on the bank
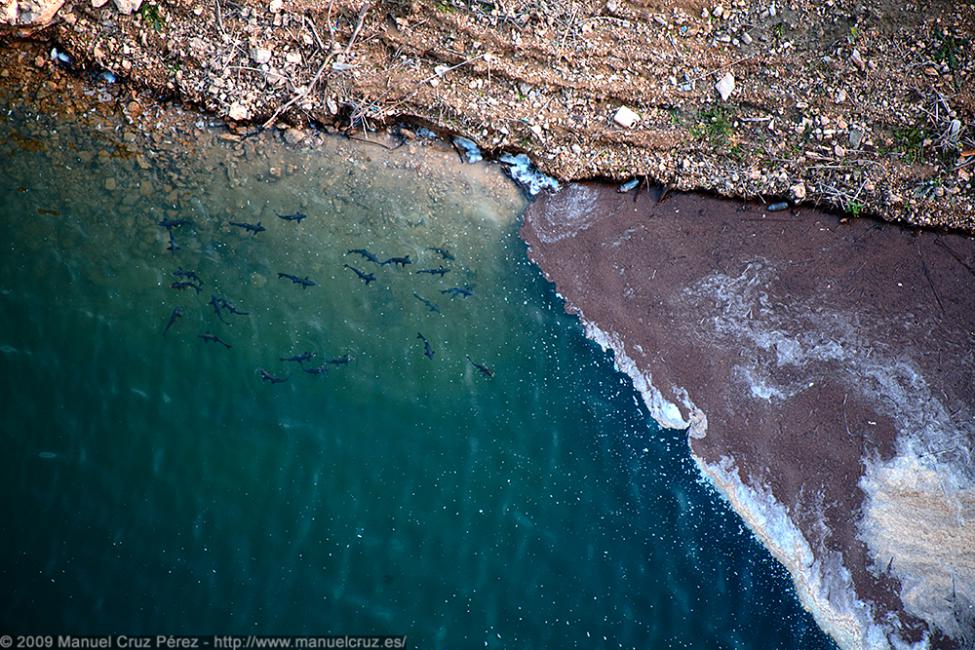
275	6
98	4
28	13
127	6
726	86
798	191
260	55
294	136
625	117
238	112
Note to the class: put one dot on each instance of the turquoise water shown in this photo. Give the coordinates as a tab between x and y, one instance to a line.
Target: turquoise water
154	484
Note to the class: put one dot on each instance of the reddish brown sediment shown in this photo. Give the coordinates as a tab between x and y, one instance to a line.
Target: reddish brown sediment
808	358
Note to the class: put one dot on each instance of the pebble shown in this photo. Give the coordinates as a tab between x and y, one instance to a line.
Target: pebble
110	184
626	117
260	55
295	136
798	191
127	7
238	112
778	207
726	86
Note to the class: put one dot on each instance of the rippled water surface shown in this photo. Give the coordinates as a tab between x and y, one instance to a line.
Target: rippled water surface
153	483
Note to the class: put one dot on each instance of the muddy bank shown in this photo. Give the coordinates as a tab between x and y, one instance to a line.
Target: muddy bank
864	106
826	374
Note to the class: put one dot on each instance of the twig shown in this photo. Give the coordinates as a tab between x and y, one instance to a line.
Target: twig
314	32
378	144
427	80
219	17
358	27
299	96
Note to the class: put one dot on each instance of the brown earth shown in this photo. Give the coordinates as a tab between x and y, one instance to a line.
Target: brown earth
810	352
866	106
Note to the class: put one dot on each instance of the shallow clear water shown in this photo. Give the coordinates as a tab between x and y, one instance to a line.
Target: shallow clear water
153	483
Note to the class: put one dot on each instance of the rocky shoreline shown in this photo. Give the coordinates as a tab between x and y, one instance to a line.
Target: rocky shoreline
865	107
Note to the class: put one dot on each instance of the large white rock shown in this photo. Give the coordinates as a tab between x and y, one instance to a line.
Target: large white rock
625	117
726	86
127	6
259	55
238	112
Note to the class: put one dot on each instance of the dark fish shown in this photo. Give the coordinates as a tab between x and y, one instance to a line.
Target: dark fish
300	358
172	246
297	216
217	307
340	361
484	370
188	275
443	253
440	270
173	317
398	261
185	285
48	212
271	379
304	282
432	306
365	277
365	254
169	224
318	370
252	228
213	338
427	348
231	308
453	292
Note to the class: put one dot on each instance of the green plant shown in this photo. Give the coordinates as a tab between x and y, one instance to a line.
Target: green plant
854	34
909	142
150	16
714	125
947	49
853	208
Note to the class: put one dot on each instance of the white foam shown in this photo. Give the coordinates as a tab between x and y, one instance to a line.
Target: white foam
667	413
567	214
523	171
924	520
933	436
822	582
